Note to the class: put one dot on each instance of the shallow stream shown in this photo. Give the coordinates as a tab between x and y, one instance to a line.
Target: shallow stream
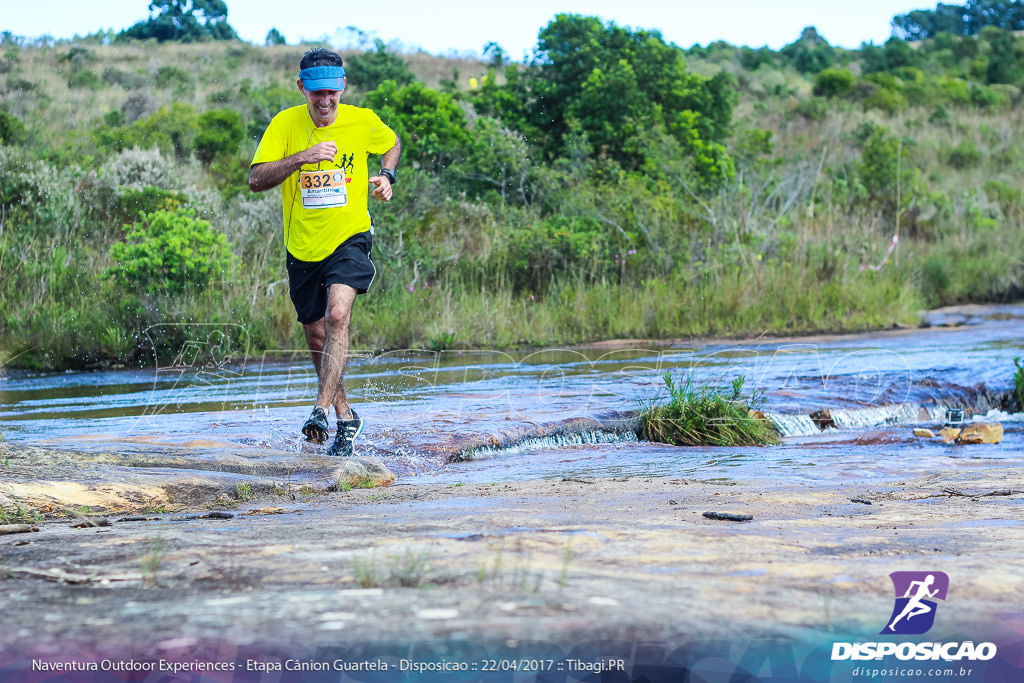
482	416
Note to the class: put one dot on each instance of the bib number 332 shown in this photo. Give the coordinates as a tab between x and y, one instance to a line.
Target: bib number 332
323	189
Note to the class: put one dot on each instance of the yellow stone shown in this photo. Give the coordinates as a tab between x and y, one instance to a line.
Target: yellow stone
948	434
982	432
924	433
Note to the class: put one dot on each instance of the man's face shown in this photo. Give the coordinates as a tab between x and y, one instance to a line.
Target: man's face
322	104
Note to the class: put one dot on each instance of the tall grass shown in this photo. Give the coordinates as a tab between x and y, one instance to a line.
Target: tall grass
1018	383
704	416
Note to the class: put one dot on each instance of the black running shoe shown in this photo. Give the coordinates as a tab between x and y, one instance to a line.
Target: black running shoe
347	432
315	429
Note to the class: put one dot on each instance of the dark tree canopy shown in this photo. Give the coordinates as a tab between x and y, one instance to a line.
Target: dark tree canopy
615	85
184	20
810	53
963	20
274	37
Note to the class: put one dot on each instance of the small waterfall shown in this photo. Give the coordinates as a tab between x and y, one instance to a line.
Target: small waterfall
794	424
860	418
593	436
904	413
612	427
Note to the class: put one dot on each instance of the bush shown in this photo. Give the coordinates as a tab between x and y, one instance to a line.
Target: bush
539	250
170	251
129	206
882	159
1010	199
431	124
140	168
833	82
12	130
884	99
86	78
368	70
125	79
989	97
220	134
168	76
964	155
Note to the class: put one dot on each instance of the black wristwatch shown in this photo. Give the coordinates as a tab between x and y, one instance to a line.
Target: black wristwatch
389	173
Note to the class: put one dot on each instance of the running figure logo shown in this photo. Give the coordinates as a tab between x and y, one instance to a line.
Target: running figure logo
914	611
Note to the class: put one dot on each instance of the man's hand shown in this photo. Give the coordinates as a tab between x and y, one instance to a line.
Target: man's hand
383	191
321	151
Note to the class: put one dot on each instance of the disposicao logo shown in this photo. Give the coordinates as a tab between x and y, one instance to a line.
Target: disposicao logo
916	593
913	614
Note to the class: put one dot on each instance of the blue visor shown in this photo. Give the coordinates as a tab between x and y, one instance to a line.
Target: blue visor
323	78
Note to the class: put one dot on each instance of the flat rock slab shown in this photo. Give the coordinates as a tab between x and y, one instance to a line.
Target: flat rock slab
136	480
548	561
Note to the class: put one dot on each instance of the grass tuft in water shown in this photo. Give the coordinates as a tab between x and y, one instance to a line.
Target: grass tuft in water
704	416
1018	383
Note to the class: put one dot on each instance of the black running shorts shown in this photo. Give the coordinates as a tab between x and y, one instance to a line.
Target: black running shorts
308	281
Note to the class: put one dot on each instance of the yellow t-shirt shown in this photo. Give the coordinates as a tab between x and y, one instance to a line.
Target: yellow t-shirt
314	224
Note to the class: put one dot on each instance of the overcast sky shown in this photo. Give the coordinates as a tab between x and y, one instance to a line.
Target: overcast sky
461	26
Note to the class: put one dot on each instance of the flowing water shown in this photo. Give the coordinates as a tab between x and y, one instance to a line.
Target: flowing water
487	416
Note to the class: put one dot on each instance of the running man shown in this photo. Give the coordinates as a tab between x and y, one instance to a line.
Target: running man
915	607
317	153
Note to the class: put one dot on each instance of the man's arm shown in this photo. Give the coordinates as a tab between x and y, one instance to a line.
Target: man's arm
387	160
272	173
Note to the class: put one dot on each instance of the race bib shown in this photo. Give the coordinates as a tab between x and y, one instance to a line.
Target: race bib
323	189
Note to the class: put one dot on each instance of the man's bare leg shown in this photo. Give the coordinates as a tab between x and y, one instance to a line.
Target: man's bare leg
328	342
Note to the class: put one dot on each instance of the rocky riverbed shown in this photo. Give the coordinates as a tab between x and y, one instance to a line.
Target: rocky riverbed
281	569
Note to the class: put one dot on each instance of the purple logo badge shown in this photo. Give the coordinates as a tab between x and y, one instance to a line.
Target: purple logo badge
916	593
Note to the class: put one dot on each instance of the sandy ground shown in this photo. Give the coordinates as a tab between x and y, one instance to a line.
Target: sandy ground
291	566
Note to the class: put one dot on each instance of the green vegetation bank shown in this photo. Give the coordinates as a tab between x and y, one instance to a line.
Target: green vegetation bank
613	186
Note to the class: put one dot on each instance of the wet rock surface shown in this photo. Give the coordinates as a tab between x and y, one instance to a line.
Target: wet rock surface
137	480
560	560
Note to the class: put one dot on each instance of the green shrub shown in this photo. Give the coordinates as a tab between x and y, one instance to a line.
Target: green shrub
956	91
368	70
125	79
86	78
431	124
935	279
882	160
704	416
12	130
964	155
167	76
538	250
812	108
884	99
940	117
220	134
169	251
833	82
133	203
1010	199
